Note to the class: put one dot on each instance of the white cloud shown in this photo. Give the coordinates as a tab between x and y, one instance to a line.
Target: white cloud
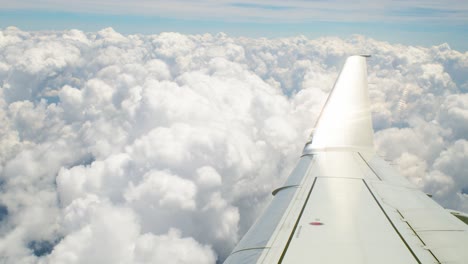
208	177
104	233
172	247
164	188
147	147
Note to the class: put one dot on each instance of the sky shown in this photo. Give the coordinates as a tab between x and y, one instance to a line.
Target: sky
179	138
426	23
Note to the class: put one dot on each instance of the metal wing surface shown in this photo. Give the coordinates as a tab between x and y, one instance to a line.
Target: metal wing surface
343	204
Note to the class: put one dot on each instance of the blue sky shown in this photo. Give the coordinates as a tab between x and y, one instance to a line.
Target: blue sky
424	23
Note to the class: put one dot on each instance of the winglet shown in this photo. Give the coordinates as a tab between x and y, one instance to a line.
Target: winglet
345	121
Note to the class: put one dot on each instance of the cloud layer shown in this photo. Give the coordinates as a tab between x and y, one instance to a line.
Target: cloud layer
145	148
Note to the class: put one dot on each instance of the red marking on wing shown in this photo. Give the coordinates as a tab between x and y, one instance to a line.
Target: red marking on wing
316	223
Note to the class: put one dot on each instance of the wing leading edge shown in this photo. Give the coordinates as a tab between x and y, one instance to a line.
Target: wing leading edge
343	204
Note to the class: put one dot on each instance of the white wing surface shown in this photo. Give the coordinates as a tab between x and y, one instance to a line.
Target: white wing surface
343	204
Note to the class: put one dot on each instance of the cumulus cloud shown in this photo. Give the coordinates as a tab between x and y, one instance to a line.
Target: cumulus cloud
144	148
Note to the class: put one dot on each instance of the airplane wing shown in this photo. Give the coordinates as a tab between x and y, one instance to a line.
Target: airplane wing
343	204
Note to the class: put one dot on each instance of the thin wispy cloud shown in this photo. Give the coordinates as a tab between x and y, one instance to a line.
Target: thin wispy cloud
293	11
424	22
262	6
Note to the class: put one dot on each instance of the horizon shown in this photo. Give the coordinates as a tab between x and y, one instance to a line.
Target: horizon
419	23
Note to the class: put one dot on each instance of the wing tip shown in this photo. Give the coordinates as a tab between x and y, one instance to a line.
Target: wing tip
345	121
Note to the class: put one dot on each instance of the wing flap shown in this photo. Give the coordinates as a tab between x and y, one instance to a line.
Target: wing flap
447	246
342	223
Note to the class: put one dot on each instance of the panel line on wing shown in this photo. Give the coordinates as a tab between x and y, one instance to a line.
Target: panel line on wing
337	177
393	225
246	249
442	230
275	191
365	161
420	239
297	222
